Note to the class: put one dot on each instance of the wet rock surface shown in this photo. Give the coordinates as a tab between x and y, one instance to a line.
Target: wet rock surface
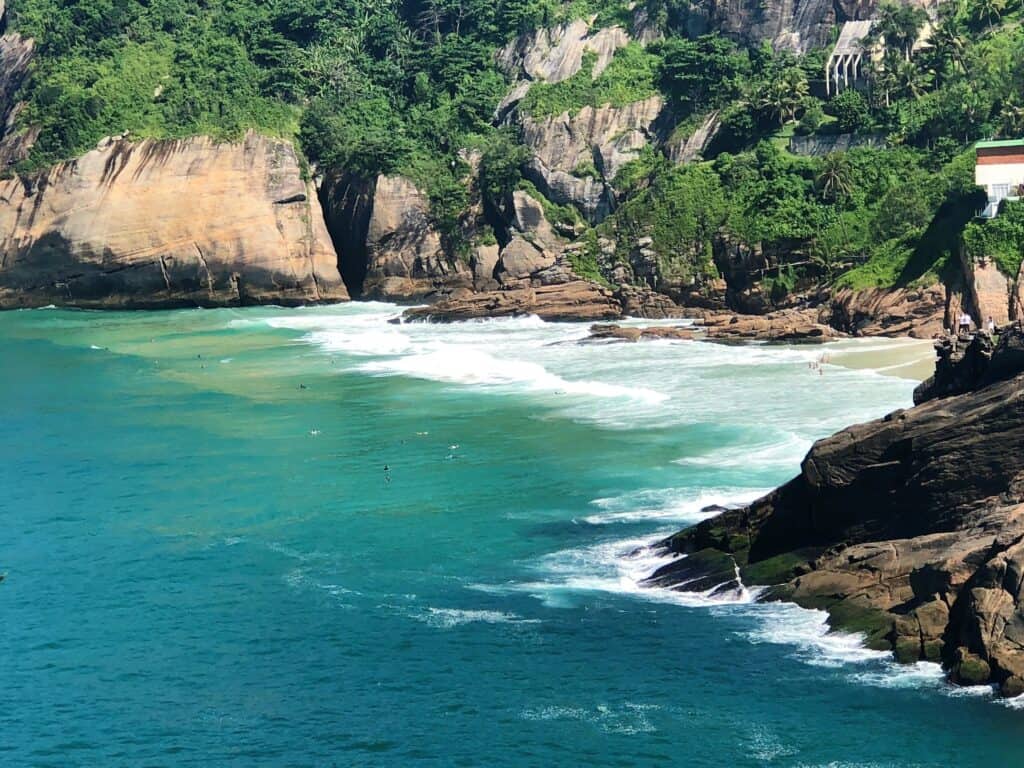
909	529
611	332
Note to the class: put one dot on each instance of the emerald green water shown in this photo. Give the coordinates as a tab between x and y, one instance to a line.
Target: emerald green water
207	563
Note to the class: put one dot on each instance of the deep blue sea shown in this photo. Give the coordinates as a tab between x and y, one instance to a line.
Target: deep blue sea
207	563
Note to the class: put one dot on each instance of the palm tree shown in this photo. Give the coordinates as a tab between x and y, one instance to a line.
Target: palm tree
947	39
883	79
910	80
784	95
835	180
1011	117
899	26
989	10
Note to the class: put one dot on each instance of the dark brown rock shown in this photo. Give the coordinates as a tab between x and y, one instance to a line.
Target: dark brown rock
786	325
626	333
909	529
919	313
576	300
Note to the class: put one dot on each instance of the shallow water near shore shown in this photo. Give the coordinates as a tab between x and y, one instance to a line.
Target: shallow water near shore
208	564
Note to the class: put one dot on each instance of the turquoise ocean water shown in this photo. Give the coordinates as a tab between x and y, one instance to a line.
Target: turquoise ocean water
208	565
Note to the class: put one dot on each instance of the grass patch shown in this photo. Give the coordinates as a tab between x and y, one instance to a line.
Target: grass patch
564	215
629	77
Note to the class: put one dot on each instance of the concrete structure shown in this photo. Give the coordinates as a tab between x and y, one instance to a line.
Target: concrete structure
821	144
855	49
845	67
999	169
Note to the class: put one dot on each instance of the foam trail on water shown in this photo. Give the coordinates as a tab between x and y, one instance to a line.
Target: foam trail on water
475	367
675	504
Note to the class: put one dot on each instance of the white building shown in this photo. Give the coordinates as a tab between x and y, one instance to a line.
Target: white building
999	169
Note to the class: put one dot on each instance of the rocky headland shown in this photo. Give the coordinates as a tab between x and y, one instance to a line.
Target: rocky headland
909	528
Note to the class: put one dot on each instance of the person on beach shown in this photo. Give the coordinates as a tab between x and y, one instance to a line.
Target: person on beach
965	323
991	325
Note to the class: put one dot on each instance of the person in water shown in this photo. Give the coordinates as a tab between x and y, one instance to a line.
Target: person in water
387	475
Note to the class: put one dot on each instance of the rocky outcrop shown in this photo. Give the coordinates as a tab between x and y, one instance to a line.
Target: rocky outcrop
787	325
15	56
164	224
555	54
987	290
405	259
639	301
610	332
569	301
920	313
576	157
690	146
909	529
797	25
968	362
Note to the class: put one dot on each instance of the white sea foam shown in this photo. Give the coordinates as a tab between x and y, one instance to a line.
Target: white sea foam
625	719
680	505
447	618
475	367
807	632
785	453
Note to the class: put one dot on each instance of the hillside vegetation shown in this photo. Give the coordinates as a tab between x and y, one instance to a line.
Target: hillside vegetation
384	86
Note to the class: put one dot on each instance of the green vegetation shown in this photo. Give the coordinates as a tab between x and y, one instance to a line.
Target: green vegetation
565	216
1000	239
585	260
370	87
629	77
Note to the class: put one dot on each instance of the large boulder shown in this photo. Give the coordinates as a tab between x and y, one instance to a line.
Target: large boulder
167	223
405	258
917	312
909	529
521	258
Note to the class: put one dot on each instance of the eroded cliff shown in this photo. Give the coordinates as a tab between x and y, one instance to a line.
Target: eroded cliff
167	223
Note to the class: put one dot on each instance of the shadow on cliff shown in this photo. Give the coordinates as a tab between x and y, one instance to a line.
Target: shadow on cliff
347	203
936	249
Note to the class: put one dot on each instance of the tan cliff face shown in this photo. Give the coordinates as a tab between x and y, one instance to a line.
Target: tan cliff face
167	223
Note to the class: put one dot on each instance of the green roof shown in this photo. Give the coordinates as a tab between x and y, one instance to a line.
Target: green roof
1003	143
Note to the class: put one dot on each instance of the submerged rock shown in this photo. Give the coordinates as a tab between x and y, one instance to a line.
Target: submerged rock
909	529
626	333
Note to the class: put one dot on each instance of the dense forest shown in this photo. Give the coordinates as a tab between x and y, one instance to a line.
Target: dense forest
386	86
